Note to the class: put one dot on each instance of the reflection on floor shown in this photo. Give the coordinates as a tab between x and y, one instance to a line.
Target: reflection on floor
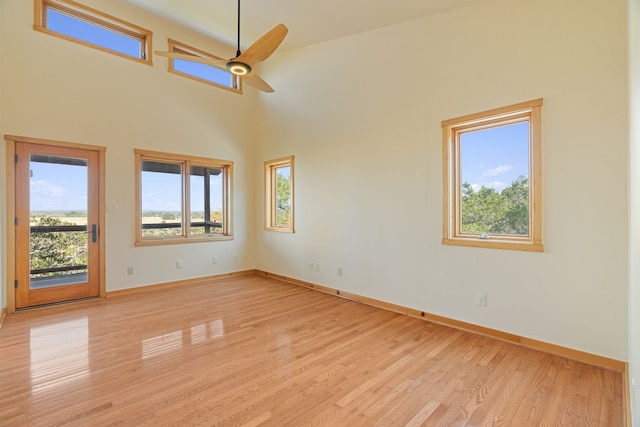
254	351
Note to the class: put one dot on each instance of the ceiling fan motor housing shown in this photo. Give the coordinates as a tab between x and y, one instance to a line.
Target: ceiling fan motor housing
238	68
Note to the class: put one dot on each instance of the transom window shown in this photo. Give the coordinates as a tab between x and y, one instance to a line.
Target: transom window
80	24
201	72
492	180
279	194
182	198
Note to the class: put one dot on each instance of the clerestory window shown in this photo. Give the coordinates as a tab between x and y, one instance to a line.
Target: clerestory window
203	73
90	27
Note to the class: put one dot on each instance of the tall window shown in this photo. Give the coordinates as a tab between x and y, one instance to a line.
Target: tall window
81	24
492	178
201	72
182	198
279	194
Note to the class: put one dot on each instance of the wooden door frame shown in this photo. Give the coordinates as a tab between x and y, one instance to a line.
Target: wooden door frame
10	240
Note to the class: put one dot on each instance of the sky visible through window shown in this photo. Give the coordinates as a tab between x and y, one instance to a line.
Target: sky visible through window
162	192
203	71
76	28
197	193
495	157
285	171
71	26
56	187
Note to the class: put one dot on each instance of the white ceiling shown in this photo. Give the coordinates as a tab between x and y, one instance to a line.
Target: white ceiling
309	21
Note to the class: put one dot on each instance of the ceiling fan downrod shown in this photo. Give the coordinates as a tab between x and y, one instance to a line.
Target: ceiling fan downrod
236	67
238	50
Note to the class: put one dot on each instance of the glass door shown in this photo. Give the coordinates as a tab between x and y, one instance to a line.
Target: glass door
56	224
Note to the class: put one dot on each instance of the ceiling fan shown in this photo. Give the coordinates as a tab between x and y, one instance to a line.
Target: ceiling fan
243	63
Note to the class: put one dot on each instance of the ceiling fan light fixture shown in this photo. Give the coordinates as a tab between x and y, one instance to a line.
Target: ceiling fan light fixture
238	68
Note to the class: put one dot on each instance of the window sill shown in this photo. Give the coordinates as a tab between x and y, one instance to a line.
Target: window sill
495	244
280	229
173	241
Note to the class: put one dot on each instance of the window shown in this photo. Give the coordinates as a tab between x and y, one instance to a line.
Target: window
279	194
182	198
78	23
201	72
492	178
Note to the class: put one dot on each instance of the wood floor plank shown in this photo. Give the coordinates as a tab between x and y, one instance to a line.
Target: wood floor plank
254	351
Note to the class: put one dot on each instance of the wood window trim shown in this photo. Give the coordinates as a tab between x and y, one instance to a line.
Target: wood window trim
530	111
179	47
186	161
97	18
270	167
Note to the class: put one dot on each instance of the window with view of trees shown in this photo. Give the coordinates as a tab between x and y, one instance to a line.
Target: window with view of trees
55	253
81	24
279	194
492	178
182	198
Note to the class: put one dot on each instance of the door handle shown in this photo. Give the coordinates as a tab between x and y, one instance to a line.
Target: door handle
94	233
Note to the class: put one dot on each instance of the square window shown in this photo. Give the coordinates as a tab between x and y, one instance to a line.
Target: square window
492	178
182	198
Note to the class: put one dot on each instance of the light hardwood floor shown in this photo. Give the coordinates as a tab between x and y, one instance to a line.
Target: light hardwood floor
255	351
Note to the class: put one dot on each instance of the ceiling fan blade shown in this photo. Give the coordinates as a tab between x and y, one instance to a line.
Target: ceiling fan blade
218	63
256	81
264	46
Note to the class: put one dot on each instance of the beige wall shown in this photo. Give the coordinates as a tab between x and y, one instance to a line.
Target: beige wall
54	89
634	211
367	141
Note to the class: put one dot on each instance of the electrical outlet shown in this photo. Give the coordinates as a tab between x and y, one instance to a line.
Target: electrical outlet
130	270
179	264
481	299
339	272
311	267
215	259
235	258
316	268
